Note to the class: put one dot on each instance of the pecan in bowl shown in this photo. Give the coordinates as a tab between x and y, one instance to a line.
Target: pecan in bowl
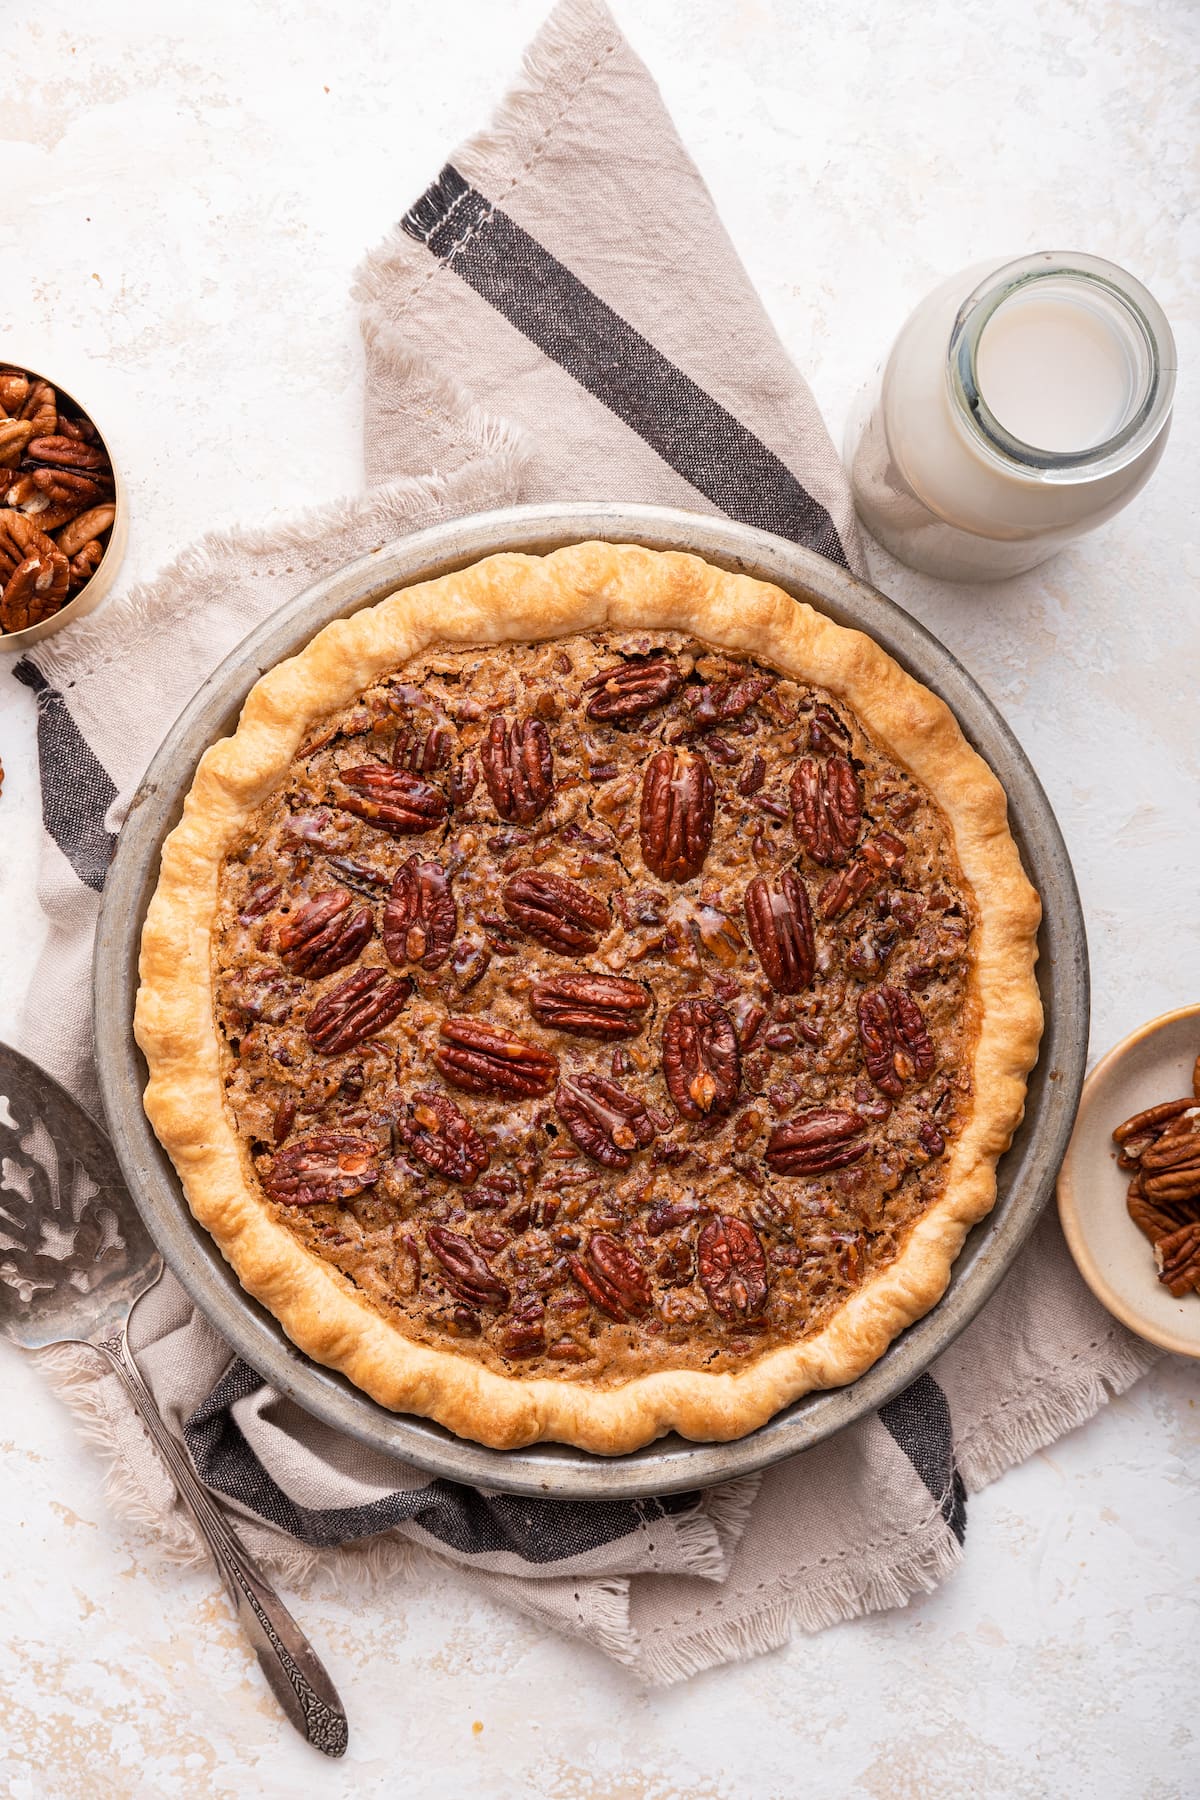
60	507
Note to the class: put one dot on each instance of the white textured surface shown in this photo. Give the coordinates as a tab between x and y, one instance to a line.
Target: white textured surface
186	191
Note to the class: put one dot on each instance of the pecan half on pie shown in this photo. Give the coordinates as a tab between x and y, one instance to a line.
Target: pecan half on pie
588	996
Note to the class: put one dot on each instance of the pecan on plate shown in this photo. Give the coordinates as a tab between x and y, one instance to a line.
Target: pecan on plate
439	1136
325	933
1178	1259
355	1010
826	809
464	1269
486	1059
420	920
679	801
393	799
557	912
878	857
629	690
607	1123
518	768
328	1165
733	1268
896	1047
779	920
810	1143
595	1006
613	1277
1170	1166
1137	1134
701	1061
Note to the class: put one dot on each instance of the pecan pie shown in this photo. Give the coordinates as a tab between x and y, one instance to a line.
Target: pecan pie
588	997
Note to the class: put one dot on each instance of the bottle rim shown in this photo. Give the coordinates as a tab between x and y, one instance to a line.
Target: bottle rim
1151	330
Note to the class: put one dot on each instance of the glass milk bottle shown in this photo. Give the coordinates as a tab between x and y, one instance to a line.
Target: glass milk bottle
1022	404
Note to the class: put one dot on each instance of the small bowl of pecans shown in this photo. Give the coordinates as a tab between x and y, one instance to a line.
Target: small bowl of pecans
1129	1188
62	516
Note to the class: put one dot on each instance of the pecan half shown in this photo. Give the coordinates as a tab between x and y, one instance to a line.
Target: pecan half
85	529
1178	1260
420	920
439	1136
728	700
328	1165
486	1059
35	590
679	800
896	1047
20	538
733	1268
826	809
464	1270
607	1123
878	857
813	1142
613	1277
354	1010
393	799
421	755
779	920
595	1006
631	689
325	933
518	768
66	453
701	1061
557	912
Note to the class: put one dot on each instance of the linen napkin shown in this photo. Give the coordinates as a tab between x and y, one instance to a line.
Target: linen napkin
559	316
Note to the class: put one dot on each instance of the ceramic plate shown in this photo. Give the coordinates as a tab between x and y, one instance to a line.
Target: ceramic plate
1153	1064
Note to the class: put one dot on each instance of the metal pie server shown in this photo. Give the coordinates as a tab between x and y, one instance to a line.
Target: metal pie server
74	1256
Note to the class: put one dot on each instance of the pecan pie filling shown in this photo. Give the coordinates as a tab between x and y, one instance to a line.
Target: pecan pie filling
597	1006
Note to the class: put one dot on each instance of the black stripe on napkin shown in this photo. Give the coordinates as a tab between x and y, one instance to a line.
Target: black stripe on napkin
919	1420
690	430
536	1531
77	790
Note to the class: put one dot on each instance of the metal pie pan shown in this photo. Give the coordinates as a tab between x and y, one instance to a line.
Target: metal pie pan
672	1464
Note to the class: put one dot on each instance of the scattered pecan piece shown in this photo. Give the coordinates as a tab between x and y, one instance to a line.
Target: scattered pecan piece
811	1143
613	1277
607	1123
827	809
392	799
679	800
439	1136
325	933
328	1165
518	768
486	1059
733	1268
896	1047
595	1006
465	1271
779	920
701	1061
629	690
355	1010
878	857
557	912
420	920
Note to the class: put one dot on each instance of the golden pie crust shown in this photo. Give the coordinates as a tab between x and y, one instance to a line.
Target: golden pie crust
589	588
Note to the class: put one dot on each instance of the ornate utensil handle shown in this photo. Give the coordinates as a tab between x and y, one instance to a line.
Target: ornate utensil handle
293	1670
